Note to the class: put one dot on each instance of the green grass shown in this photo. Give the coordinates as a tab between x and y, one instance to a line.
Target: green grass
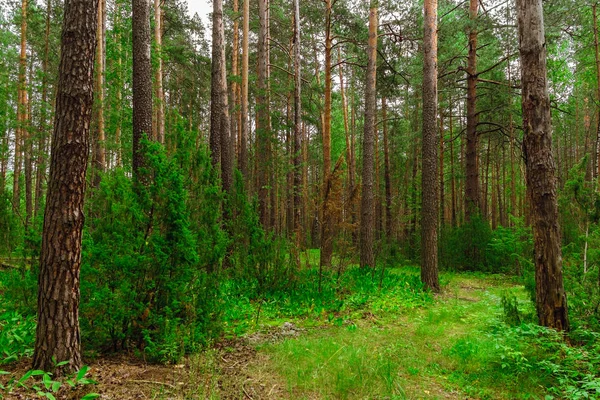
434	350
370	337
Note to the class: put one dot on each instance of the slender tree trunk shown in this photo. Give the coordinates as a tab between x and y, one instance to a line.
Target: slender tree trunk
20	132
4	130
367	222
486	181
99	152
377	188
235	111
158	75
57	335
452	177
493	204
119	153
243	161
472	197
597	55
327	217
441	169
41	159
499	199
386	172
551	299
430	184
350	209
297	137
27	152
142	83
221	148
263	134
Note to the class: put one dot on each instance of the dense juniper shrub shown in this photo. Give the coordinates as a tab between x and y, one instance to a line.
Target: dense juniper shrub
143	283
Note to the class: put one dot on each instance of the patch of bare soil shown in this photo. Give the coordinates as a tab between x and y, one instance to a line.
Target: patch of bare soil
223	372
118	377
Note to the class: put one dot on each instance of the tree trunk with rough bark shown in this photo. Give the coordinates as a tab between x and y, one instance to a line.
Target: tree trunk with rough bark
386	172
297	139
158	75
57	335
597	55
21	129
326	212
142	83
367	206
235	110
263	134
219	112
41	158
99	153
472	197
429	178
243	161
551	299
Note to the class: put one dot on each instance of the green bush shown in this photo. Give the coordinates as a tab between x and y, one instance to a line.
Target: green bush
142	283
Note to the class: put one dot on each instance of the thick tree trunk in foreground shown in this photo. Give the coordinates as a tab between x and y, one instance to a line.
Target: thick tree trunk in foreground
142	82
57	336
367	212
429	179
551	300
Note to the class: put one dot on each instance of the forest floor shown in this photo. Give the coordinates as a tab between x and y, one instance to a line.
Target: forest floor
436	351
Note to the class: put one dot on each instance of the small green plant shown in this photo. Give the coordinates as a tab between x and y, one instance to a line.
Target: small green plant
510	306
45	386
17	336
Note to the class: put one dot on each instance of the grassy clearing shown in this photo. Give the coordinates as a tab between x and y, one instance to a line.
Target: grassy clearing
362	337
446	349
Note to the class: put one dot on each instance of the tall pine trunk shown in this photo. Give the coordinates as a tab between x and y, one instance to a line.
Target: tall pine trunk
243	160
386	173
158	76
367	206
263	134
551	299
430	184
99	153
20	132
326	213
41	159
219	112
297	138
57	335
472	196
142	83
